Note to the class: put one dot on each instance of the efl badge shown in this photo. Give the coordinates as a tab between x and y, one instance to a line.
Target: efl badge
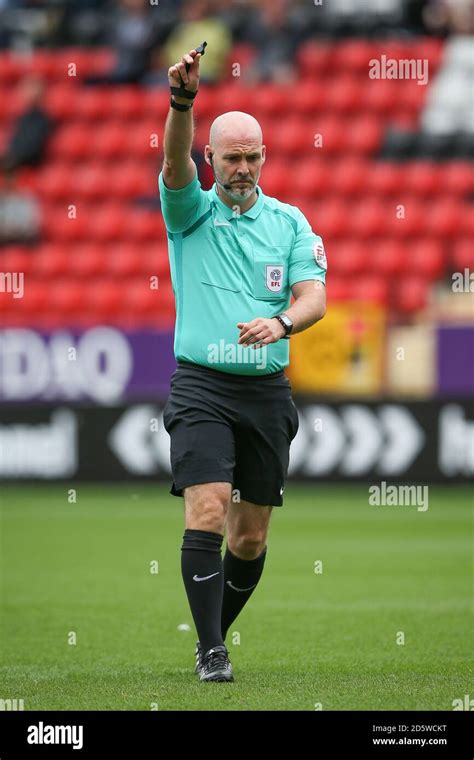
320	255
274	277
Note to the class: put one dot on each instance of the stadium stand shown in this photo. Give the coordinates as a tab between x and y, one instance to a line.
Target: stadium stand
389	188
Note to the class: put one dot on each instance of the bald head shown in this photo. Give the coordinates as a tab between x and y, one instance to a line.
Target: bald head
234	127
236	154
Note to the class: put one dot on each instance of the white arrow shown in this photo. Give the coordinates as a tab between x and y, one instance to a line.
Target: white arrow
405	438
326	439
130	440
365	440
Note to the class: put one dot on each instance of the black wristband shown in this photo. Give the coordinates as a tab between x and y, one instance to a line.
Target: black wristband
181	92
180	106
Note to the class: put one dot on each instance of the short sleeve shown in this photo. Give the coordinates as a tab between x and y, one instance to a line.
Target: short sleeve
181	208
307	258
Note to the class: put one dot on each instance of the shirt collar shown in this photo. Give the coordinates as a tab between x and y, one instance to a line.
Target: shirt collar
228	213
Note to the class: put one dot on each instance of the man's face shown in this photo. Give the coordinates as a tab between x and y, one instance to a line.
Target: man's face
239	164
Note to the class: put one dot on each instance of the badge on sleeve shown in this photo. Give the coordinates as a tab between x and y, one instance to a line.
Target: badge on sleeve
320	255
274	277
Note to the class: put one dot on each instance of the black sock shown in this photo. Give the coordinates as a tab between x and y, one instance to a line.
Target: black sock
242	574
201	558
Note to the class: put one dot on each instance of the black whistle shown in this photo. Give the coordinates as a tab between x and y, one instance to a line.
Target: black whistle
201	49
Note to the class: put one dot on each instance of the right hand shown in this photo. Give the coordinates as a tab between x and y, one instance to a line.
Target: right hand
190	79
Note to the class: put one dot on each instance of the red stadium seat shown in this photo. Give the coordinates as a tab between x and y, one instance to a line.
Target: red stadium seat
46	65
463	255
143	141
11	67
350	258
353	56
34	302
381	96
232	96
16	258
314	58
364	135
57	181
124	261
368	218
410	295
457	178
109	140
156	102
384	178
275	100
145	225
344	94
275	176
87	260
466	219
126	102
84	61
67	297
108	222
443	217
204	105
371	288
104	298
131	179
387	257
243	54
92	103
406	217
293	137
310	178
141	301
337	288
51	260
71	142
66	223
421	178
330	218
154	261
333	133
312	97
425	258
60	100
92	181
348	176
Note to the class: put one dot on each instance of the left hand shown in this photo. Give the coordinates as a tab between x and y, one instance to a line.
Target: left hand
260	332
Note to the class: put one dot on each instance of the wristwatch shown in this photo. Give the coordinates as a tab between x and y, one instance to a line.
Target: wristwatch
285	321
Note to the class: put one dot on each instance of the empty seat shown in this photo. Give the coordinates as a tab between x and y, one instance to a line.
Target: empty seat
350	258
463	255
410	295
425	257
421	178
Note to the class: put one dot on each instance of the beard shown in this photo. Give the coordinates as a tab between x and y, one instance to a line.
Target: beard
234	192
243	193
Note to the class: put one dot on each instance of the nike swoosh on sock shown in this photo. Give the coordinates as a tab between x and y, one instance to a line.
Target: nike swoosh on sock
205	578
229	583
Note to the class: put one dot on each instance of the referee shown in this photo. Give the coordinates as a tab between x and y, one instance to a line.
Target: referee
236	257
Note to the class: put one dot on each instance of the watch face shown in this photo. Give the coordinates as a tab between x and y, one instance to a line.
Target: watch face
286	320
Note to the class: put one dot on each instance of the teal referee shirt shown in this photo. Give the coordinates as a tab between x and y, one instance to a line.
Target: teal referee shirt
228	267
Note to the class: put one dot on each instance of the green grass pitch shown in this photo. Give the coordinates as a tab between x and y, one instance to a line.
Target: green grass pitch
307	639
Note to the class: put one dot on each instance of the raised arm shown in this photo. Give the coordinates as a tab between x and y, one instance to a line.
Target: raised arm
178	166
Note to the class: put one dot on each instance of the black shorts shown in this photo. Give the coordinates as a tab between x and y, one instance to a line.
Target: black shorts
230	428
